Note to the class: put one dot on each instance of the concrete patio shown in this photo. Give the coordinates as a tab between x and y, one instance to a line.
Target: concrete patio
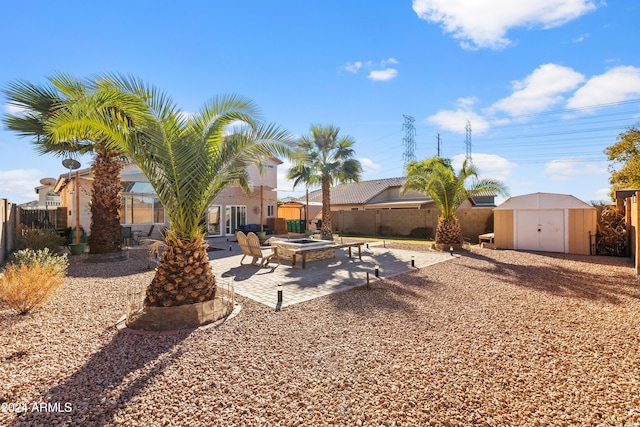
319	278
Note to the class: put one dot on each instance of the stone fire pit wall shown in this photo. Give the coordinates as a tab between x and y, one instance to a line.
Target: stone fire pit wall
181	317
325	251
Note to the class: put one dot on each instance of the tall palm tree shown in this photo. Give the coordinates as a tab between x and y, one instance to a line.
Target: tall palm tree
38	106
323	158
188	160
436	178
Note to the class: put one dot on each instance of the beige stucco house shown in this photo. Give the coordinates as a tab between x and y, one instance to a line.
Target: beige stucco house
141	208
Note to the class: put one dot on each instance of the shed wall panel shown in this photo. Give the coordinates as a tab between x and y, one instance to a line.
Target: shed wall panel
581	223
503	229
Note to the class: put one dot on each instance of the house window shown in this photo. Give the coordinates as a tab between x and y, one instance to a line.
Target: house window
140	205
213	220
354	209
269	210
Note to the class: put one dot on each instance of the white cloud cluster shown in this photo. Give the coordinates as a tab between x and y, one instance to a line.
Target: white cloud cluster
18	185
377	72
540	90
548	86
616	85
490	166
485	23
568	169
368	165
455	120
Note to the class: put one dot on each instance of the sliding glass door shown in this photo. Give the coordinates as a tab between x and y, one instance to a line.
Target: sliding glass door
235	216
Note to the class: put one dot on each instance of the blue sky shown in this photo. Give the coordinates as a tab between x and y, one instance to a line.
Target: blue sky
546	85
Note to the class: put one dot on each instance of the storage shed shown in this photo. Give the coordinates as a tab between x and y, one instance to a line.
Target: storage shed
545	222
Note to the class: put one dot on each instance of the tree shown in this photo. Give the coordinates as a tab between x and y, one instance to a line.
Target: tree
323	158
436	178
188	160
37	107
625	157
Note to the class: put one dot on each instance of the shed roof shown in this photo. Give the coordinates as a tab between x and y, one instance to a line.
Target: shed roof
543	201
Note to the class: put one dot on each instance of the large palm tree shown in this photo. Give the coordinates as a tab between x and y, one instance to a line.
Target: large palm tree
38	106
188	160
436	178
324	158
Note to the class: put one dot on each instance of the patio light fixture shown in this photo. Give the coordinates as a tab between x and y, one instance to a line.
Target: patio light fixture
413	261
451	250
280	287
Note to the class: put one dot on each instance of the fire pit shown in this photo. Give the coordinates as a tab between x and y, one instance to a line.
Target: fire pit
286	248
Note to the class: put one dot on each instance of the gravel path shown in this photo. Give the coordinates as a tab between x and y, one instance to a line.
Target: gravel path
493	338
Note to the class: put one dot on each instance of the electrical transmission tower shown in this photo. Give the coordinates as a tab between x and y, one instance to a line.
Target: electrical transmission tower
467	141
409	140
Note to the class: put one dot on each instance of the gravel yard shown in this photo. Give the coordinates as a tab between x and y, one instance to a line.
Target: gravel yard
492	338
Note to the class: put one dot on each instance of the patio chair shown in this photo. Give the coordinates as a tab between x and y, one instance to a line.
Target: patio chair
250	245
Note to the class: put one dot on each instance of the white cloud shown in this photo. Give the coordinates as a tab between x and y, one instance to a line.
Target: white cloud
375	73
18	185
383	75
569	168
14	110
369	165
540	90
616	85
581	38
353	67
456	120
485	23
603	194
489	165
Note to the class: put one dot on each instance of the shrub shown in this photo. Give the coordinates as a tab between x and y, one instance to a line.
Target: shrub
45	257
32	279
33	239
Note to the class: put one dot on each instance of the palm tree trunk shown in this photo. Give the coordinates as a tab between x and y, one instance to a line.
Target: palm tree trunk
448	231
325	231
183	275
106	199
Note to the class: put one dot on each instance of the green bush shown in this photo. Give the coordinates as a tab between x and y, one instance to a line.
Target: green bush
45	257
36	240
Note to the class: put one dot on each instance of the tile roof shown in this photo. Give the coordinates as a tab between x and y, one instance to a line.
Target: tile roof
362	192
357	193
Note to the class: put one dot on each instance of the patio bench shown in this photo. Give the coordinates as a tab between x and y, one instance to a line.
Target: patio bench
304	251
486	240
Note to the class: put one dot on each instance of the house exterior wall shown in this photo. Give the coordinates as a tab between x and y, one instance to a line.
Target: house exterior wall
581	225
503	229
267	177
234	196
67	199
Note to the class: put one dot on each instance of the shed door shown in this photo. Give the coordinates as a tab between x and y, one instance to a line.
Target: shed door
540	230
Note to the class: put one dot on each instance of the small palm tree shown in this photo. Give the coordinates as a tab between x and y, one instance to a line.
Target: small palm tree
323	158
436	178
40	105
188	160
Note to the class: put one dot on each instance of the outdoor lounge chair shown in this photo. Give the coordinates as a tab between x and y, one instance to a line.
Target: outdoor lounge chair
250	245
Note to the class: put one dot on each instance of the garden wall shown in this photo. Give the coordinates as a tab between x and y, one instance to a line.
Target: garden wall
417	223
